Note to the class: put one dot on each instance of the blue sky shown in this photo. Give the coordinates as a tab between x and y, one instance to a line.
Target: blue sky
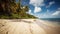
43	8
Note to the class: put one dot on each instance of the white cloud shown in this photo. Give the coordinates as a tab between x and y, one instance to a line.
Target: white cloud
47	10
37	2
58	8
56	13
29	11
50	3
37	9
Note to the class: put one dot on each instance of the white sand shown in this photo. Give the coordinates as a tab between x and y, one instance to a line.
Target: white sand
20	27
28	26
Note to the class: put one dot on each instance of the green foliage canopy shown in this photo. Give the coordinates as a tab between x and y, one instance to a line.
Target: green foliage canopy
10	9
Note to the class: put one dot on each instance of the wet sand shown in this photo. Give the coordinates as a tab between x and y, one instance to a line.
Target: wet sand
28	26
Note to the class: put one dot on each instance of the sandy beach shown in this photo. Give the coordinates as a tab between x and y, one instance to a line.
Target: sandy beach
28	26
